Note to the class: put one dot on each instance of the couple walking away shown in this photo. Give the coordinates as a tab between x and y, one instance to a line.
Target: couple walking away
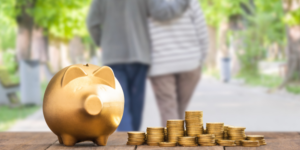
165	39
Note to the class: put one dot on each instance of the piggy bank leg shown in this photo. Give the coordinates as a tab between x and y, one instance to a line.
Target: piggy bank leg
68	140
101	141
60	140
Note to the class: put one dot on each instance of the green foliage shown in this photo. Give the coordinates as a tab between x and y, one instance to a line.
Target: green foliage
263	28
269	81
293	89
292	18
269	17
62	18
7	24
8	116
9	61
219	11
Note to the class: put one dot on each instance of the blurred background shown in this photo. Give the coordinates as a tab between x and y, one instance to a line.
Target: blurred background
251	76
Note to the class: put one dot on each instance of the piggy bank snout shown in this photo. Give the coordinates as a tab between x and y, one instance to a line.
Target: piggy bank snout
93	105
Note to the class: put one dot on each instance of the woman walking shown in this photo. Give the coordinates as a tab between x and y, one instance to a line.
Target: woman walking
178	50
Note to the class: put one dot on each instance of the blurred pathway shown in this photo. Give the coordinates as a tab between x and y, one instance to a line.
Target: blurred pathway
233	104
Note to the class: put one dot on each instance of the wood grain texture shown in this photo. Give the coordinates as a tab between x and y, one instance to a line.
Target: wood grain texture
26	141
275	141
146	147
116	141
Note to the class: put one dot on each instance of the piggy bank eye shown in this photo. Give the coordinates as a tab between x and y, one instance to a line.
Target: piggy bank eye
107	75
71	74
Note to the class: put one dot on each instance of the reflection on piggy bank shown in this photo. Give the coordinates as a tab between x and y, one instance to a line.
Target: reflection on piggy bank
83	103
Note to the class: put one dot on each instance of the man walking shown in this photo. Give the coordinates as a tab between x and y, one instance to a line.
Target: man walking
120	28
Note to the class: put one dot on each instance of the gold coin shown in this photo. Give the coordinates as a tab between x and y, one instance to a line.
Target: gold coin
215	123
206	141
255	136
167	144
236	128
135	132
225	141
135	139
152	143
206	135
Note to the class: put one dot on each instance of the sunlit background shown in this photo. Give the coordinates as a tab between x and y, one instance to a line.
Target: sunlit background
251	76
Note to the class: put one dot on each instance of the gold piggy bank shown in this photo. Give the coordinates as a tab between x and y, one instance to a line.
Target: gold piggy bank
83	103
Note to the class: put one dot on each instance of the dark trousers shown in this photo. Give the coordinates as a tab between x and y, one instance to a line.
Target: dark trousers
132	78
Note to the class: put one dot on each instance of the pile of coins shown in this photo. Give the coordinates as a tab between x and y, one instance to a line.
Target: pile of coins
194	123
155	135
187	141
206	139
190	132
166	134
136	138
225	133
175	129
247	143
216	128
259	138
226	142
167	144
237	134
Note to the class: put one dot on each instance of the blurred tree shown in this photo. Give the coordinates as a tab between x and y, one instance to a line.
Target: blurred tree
218	14
8	28
63	19
263	27
40	20
59	19
253	25
292	19
8	25
25	26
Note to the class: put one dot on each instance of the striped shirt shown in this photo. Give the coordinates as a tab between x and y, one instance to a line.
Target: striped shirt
180	45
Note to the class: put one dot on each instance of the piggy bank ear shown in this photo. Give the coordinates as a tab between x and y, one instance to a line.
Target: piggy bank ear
107	75
72	73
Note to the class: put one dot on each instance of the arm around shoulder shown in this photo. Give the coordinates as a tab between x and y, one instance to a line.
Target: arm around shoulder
165	10
94	21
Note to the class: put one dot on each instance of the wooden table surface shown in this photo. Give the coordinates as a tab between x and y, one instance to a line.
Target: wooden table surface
117	141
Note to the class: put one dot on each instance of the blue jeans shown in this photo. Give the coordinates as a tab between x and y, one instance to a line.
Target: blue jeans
132	78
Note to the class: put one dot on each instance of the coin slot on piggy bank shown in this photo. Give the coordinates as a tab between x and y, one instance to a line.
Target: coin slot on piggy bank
83	103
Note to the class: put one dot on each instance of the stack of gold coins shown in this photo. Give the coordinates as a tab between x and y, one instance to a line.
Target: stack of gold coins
206	139
175	129
166	134
248	143
226	142
225	133
237	134
259	138
216	128
167	144
194	123
187	141
155	135
136	138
